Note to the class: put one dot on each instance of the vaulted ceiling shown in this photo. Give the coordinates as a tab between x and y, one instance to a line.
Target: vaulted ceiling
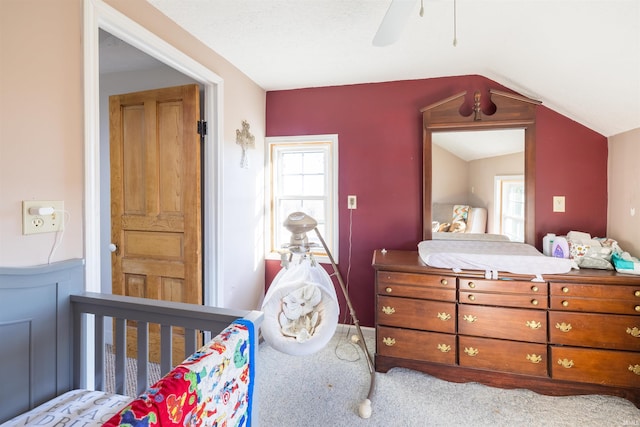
581	58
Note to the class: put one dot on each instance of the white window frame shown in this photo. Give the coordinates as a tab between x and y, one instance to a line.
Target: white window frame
499	180
274	145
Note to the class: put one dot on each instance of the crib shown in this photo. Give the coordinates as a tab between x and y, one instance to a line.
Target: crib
53	333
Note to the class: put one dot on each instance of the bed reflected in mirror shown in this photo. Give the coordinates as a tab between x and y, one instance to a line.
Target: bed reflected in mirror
478	184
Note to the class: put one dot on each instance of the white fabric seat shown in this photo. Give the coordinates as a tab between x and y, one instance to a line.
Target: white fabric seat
300	309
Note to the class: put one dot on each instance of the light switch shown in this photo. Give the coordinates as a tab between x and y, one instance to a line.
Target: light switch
558	203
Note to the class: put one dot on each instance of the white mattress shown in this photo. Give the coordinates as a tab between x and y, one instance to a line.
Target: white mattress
84	408
491	257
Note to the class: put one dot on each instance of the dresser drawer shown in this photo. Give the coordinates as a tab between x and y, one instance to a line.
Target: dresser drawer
504	286
595	305
624	292
416	345
410	285
595	330
608	367
504	300
416	314
504	356
505	323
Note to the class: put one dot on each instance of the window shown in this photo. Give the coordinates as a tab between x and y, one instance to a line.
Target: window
302	176
509	196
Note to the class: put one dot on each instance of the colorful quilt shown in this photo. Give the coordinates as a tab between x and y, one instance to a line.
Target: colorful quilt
213	387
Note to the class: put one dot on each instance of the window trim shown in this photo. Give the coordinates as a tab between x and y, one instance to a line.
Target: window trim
498	185
333	212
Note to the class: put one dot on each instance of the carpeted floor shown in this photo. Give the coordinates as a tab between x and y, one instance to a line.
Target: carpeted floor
325	389
130	384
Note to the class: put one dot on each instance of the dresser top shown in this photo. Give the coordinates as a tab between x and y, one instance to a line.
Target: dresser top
410	262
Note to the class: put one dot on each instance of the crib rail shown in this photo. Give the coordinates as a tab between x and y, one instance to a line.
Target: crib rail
193	318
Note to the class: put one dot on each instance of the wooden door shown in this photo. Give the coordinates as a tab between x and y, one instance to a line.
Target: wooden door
155	199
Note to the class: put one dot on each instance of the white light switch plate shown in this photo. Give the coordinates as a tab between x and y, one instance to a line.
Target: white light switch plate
352	202
32	224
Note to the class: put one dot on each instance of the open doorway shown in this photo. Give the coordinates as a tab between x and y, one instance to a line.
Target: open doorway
125	69
99	17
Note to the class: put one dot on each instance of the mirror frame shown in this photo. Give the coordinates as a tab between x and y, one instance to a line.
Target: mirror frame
511	111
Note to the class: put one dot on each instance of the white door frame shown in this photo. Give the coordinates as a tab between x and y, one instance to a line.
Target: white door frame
99	15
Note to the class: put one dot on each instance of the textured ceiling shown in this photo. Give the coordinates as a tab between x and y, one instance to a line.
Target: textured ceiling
579	57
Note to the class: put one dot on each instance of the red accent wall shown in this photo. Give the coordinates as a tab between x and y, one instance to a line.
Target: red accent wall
571	161
379	129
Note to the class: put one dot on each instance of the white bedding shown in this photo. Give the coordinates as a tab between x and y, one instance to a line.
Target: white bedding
491	257
84	408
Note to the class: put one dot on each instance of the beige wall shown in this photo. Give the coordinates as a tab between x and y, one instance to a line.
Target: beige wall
450	177
42	132
624	190
41	123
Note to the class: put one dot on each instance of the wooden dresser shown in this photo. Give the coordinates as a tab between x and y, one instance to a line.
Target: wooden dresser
575	333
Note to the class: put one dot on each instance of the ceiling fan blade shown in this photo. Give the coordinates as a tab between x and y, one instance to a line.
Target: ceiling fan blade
393	22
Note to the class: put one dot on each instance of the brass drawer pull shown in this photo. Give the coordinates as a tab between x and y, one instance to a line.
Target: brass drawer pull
637	293
533	324
388	341
472	297
471	285
534	302
565	303
471	351
444	348
535	288
635	369
388	290
469	318
565	289
444	282
637	308
444	316
388	310
565	363
534	358
634	332
564	327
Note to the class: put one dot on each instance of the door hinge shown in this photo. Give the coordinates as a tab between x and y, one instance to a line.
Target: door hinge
202	127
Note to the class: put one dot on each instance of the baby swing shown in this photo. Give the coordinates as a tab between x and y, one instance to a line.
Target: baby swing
301	306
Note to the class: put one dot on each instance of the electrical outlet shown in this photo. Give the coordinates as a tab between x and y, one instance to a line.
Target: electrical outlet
352	202
42	223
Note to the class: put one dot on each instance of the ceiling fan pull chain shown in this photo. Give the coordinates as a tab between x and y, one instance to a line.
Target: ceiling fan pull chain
455	30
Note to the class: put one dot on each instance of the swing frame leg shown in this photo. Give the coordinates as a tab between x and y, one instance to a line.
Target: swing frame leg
356	323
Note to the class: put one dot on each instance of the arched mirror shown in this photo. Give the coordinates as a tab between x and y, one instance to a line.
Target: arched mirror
479	158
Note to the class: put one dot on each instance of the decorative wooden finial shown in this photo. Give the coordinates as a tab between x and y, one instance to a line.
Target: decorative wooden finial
477	111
